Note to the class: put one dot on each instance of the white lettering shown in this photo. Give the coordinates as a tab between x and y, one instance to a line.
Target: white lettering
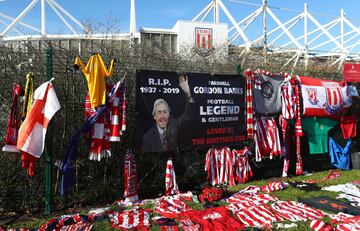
219	110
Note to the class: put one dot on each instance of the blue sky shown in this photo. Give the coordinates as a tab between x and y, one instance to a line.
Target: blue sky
162	13
165	13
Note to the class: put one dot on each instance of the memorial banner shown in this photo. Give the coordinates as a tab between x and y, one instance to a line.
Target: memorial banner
189	111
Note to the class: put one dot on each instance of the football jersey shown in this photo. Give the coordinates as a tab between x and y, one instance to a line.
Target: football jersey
339	156
219	164
267	93
295	211
214	219
95	72
348	126
317	132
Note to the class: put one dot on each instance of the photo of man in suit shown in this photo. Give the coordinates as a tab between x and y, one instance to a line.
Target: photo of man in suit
163	136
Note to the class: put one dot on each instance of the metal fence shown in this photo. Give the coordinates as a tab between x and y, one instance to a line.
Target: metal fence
100	182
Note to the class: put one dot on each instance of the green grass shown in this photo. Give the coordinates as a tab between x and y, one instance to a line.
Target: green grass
290	193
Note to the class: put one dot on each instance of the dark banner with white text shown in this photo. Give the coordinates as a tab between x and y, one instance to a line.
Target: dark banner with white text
189	111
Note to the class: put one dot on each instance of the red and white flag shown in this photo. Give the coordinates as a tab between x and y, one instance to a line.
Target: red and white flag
171	186
32	132
323	97
130	175
13	123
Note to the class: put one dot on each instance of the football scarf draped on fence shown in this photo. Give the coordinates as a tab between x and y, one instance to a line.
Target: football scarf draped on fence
67	165
108	126
323	97
28	95
13	122
130	178
171	186
250	113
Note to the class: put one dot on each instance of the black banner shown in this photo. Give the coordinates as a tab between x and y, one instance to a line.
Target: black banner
187	112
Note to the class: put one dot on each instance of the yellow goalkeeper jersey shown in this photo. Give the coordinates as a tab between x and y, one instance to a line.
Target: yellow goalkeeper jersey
95	72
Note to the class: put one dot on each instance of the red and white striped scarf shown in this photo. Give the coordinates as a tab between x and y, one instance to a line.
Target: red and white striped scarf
117	104
295	211
130	178
171	207
288	100
286	145
219	165
108	125
274	186
100	144
13	122
242	166
267	138
249	75
171	186
257	216
298	128
319	225
132	219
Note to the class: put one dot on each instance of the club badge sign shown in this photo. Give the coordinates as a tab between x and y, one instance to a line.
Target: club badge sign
352	72
203	41
187	112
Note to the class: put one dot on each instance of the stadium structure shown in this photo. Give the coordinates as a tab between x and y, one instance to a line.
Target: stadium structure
260	27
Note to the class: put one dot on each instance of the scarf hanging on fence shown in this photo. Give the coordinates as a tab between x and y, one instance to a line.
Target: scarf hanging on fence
117	114
171	186
298	129
28	95
249	104
67	166
130	178
13	122
107	128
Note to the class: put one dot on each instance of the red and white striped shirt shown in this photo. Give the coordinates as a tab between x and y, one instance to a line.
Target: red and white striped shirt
219	165
319	225
132	219
267	138
257	199
171	207
295	211
243	170
257	216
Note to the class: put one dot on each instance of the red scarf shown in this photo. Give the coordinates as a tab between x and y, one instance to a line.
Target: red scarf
13	122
